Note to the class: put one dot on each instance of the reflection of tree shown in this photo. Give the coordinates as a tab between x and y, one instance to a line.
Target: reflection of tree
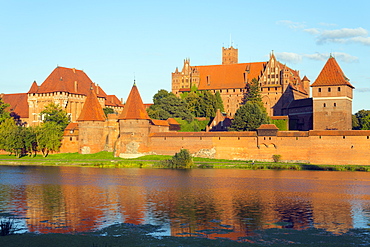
249	212
297	213
52	199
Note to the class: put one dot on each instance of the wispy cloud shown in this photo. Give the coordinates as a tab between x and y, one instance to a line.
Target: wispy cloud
290	57
363	89
343	35
292	24
313	31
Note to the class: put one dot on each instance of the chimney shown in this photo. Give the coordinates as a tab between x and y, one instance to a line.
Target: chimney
74	70
76	86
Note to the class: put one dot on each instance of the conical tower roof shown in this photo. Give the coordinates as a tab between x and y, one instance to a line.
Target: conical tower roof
92	110
34	88
331	75
134	107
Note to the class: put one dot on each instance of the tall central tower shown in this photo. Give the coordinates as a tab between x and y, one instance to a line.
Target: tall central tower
229	55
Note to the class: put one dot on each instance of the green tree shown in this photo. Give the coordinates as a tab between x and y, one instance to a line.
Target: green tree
219	102
248	117
3	113
7	129
253	93
167	105
108	110
361	120
30	141
55	113
49	136
181	160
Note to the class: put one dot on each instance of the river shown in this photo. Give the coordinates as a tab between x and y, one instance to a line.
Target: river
214	203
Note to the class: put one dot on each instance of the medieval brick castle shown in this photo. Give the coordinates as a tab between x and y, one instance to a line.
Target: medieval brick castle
325	118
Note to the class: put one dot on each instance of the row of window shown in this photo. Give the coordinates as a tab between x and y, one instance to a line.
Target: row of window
329	89
335	104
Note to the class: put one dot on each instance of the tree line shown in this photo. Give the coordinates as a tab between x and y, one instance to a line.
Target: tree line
250	115
20	140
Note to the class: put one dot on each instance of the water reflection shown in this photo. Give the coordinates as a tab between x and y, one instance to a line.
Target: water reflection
213	203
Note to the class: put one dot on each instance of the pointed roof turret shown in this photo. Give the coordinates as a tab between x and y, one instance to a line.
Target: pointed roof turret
34	88
134	107
331	75
92	110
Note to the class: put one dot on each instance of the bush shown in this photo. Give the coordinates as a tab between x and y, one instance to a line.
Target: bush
276	157
181	160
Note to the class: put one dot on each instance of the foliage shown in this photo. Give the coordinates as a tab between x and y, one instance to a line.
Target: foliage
55	113
280	123
167	105
253	93
194	126
108	110
204	103
249	117
3	113
49	136
276	157
7	130
181	160
361	120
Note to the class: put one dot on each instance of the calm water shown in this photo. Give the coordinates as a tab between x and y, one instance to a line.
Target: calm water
215	203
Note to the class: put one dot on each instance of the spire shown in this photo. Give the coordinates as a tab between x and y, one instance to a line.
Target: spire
134	107
34	88
331	75
92	110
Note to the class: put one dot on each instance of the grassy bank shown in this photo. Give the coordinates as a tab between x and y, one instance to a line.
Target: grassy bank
107	160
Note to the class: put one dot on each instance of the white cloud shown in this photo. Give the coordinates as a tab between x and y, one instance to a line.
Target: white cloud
343	35
313	31
317	56
289	57
291	24
362	40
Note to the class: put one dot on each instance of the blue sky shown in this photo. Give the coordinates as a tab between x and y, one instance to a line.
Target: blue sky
117	41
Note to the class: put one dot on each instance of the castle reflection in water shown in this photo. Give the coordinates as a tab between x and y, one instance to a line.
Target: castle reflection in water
215	203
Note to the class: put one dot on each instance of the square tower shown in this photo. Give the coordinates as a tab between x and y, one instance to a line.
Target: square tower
332	95
229	55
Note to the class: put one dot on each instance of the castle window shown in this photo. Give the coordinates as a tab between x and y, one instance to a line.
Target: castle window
319	90
70	138
344	137
338	89
335	104
329	89
208	80
268	89
324	104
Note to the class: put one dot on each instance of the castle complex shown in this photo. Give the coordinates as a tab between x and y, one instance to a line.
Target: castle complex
131	133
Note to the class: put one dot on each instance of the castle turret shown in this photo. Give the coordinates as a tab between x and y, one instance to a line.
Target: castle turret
91	123
229	55
332	95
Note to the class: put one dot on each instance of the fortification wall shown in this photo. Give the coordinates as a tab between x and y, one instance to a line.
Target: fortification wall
315	147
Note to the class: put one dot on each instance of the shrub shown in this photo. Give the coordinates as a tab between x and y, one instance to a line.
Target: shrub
181	160
276	157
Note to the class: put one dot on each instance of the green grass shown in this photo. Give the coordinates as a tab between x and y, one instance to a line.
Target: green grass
107	160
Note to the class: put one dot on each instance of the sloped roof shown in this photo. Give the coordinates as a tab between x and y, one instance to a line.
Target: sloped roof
267	127
159	122
112	100
92	110
18	104
228	75
34	88
68	80
172	121
331	75
134	107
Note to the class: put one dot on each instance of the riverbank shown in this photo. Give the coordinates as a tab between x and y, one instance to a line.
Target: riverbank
142	235
107	160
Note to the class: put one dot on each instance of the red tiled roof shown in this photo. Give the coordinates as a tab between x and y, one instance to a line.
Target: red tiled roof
34	88
134	107
172	121
112	100
267	127
228	76
92	110
68	80
18	104
159	122
331	75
